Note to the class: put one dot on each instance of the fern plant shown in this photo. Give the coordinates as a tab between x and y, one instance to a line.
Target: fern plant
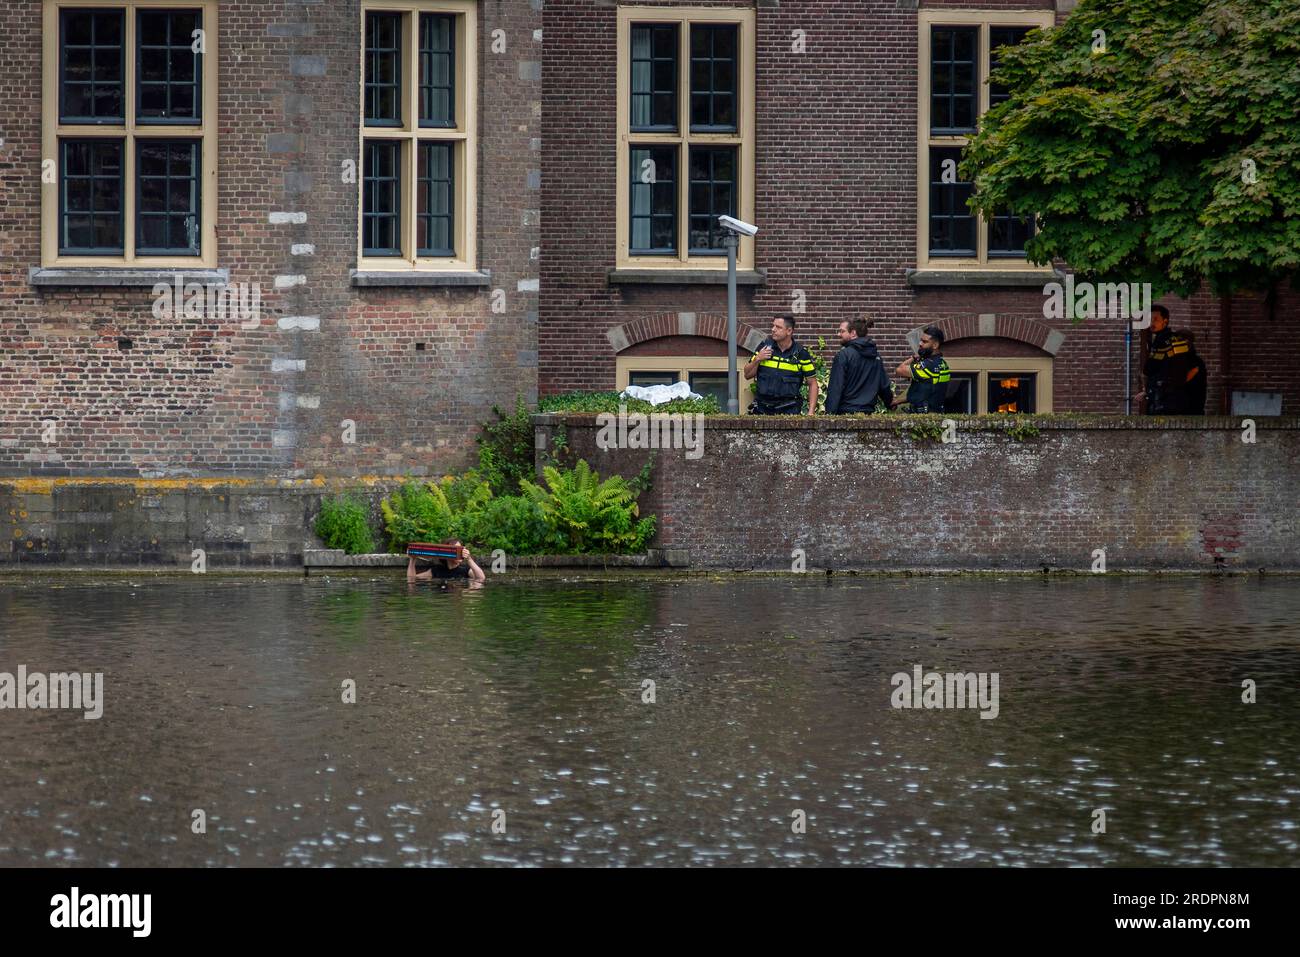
584	514
416	513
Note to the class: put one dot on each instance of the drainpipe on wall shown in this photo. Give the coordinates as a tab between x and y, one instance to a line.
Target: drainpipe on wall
1225	350
1128	368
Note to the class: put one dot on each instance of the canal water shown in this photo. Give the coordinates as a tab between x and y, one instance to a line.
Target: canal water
516	723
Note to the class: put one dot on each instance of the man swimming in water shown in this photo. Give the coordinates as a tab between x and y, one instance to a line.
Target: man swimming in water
444	568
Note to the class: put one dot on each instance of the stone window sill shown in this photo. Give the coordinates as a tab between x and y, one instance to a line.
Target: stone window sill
685	277
123	277
983	277
416	277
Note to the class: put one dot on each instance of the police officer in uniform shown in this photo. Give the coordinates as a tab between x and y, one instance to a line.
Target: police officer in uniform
1169	367
781	366
929	374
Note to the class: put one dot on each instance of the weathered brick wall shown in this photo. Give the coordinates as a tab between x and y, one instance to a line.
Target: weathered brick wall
855	494
235	523
836	201
202	397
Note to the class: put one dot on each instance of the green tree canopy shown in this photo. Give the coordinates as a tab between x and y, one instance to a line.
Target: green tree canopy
1157	140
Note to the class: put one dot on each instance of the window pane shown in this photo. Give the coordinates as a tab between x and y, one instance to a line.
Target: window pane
710	384
952	79
90	194
713	76
654	76
153	65
167	184
383	69
76	100
437	69
169	73
1012	392
952	224
645	379
1000	37
90	65
435	200
1008	234
381	195
654	200
961	393
713	191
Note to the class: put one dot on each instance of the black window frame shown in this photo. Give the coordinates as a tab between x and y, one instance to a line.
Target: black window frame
690	380
197	83
450	53
952	217
996	96
972	383
421	214
196	180
63	214
675	29
372	88
712	30
1030	391
378	252
64	118
952	96
673	183
711	216
670	374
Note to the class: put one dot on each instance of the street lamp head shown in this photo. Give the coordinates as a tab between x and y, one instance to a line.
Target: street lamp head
737	227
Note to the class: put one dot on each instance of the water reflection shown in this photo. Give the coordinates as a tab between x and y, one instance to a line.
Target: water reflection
771	695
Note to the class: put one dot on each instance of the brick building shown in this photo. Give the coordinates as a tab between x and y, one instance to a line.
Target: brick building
371	170
829	124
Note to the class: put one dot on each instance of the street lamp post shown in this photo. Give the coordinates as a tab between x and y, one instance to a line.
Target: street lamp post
731	241
735	229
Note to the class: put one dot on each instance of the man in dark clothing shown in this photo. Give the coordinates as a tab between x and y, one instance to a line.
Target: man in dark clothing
1197	375
1169	367
858	376
781	366
442	568
929	374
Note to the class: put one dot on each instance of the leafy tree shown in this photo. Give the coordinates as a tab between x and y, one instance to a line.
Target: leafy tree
1157	140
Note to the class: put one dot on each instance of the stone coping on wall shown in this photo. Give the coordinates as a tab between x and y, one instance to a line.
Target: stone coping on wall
116	277
892	422
37	484
653	558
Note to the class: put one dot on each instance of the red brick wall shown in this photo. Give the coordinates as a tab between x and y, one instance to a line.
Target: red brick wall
200	397
756	488
836	201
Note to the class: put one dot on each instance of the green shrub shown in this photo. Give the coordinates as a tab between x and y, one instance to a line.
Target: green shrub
505	449
512	523
584	514
921	428
1022	431
344	522
416	513
610	402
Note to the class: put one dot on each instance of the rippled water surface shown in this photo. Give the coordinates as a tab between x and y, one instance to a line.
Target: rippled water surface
771	696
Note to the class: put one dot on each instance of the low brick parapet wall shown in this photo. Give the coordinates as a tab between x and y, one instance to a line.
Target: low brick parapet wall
113	522
854	493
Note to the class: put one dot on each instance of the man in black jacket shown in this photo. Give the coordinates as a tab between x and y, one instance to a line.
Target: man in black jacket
857	376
